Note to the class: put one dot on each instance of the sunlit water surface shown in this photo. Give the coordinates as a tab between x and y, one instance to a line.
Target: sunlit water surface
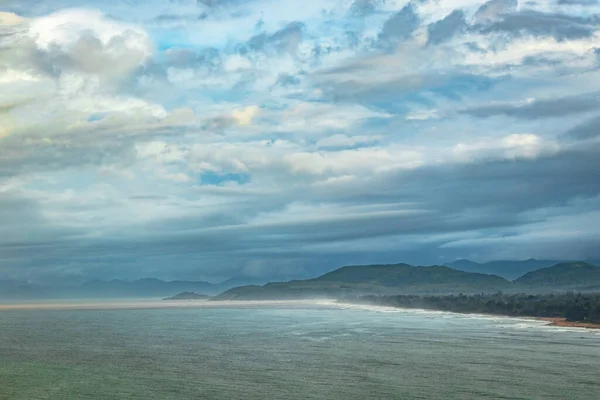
297	350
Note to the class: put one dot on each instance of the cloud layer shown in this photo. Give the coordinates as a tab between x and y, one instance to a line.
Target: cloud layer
189	139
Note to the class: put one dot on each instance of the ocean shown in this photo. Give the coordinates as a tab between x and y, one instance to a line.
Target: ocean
287	350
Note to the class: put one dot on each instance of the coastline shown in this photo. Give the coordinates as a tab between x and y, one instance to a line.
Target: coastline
551	321
562	322
162	304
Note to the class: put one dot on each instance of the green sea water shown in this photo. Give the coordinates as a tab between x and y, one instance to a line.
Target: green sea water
319	351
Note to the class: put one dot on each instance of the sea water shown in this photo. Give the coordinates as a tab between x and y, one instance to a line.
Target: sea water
287	350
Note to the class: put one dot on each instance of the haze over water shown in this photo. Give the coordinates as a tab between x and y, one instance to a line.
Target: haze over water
289	350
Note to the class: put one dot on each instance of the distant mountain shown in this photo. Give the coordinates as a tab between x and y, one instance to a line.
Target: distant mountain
188	296
505	268
461	276
148	287
465	265
375	279
408	276
577	276
11	289
240	281
116	288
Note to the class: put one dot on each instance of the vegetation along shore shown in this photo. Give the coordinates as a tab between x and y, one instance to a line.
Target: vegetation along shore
565	309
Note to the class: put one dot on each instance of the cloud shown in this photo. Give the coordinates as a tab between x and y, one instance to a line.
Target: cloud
466	198
245	115
393	93
401	25
444	29
6	124
36	230
349	161
542	108
559	26
511	146
285	40
223	138
8	18
89	42
341	140
578	2
361	8
587	130
241	117
495	9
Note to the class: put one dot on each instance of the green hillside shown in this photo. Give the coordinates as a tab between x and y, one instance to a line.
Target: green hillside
374	279
406	276
505	268
564	276
188	296
406	279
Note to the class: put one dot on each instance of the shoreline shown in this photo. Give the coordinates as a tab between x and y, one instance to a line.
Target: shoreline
163	304
562	322
551	321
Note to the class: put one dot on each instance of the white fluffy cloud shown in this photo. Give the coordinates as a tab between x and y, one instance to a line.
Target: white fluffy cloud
8	18
89	42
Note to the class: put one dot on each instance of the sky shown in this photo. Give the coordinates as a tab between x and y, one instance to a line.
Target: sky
209	139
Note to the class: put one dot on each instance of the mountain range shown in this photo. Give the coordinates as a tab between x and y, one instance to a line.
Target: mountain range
188	296
508	269
116	288
576	276
407	279
461	276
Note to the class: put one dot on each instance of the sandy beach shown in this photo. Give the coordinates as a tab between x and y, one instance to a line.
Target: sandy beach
569	324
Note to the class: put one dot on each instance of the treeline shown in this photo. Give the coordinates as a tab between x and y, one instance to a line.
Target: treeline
574	307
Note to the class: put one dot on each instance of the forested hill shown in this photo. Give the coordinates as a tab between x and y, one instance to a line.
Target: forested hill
407	279
570	306
188	296
350	280
566	276
509	269
383	279
407	276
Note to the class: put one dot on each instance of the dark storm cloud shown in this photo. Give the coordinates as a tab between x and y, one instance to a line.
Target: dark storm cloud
446	28
587	130
545	108
444	199
25	228
511	186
